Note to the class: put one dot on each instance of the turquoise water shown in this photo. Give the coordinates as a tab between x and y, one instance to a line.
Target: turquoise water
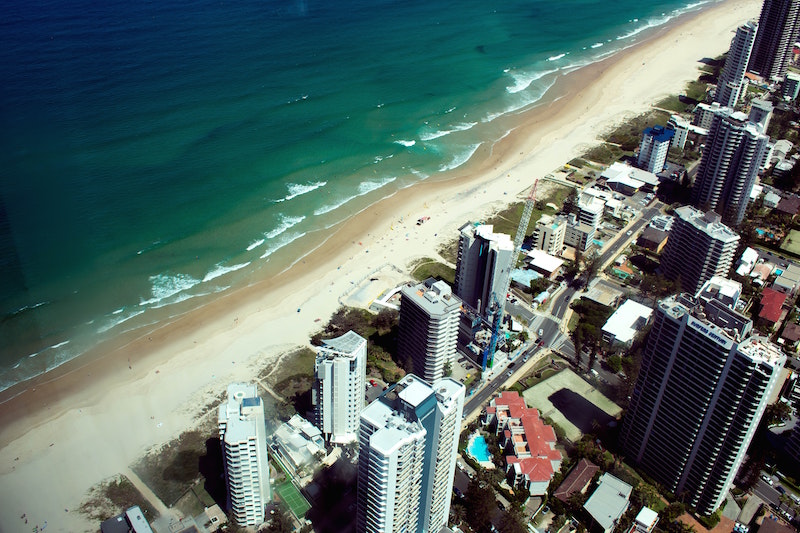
478	449
156	154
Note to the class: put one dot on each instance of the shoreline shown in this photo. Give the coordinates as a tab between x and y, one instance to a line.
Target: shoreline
177	364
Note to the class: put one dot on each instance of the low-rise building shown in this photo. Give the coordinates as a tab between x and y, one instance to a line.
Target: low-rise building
645	521
527	442
577	480
608	502
652	239
544	263
747	261
131	521
298	443
626	321
549	234
788	280
771	305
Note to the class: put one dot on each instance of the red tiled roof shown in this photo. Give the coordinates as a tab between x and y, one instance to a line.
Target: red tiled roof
771	303
576	480
537	439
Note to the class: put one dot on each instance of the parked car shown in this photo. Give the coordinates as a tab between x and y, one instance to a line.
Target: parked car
509	373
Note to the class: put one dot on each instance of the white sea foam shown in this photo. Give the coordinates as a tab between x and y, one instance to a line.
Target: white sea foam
296	189
421	175
29	307
461	158
363	188
597	45
182	297
285	240
166	285
221	270
406	143
369	186
556	58
461	126
124	318
287	222
523	79
255	244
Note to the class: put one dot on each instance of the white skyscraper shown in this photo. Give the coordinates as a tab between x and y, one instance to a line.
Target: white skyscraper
731	80
243	436
429	317
338	395
407	456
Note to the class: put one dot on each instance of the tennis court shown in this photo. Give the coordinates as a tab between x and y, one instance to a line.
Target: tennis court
292	497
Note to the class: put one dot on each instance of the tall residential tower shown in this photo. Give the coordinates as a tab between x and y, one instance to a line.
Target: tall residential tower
429	318
699	247
778	27
731	79
243	436
703	385
340	371
407	457
484	262
729	167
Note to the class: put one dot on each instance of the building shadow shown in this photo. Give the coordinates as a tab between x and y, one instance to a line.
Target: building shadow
210	466
580	412
333	496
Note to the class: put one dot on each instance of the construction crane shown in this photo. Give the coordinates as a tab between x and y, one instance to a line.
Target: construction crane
497	303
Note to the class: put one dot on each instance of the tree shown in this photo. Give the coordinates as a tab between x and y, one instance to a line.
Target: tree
479	502
777	413
278	523
448	369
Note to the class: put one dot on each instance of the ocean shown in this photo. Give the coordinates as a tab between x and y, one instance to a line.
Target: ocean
158	153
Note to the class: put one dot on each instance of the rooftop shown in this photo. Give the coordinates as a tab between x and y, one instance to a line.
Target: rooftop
577	479
544	261
627	320
771	305
434	297
708	223
347	344
609	501
759	349
618	169
660	133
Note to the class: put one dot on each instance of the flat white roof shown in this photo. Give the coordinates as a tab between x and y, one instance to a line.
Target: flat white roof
627	180
622	324
617	170
543	260
647	517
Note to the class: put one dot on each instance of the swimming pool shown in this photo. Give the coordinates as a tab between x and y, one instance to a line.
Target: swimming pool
478	449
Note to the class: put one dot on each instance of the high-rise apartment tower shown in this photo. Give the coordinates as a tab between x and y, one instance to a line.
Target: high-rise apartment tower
778	27
429	318
340	372
729	166
483	265
699	247
703	385
243	436
407	457
731	79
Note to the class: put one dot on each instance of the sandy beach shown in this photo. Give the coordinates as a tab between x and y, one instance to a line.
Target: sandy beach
92	418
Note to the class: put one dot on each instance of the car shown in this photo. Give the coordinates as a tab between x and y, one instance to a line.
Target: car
509	373
780	489
767	479
546	509
524	359
541	343
541	332
629	233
